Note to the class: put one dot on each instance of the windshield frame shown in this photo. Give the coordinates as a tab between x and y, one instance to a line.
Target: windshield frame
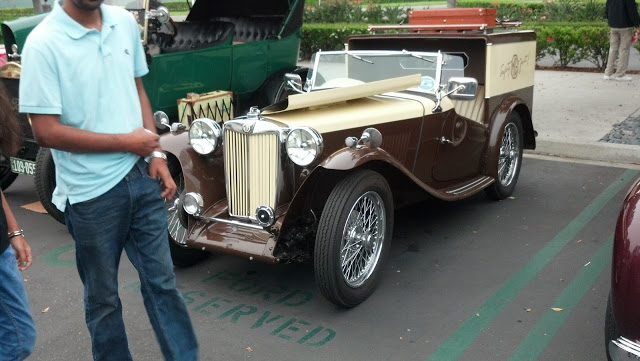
323	60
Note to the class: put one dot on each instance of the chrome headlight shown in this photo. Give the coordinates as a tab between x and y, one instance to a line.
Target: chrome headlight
193	203
304	145
205	135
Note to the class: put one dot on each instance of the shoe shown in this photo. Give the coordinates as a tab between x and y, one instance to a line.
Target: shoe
624	78
606	77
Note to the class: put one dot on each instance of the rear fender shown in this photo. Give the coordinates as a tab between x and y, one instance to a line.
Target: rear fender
498	120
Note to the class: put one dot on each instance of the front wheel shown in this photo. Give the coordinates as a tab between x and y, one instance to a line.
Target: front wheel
45	180
6	175
180	255
509	160
353	238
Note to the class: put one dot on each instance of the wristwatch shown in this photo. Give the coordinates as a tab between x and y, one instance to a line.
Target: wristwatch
158	154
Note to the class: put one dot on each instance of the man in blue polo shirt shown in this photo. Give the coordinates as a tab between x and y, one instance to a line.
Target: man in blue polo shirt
80	82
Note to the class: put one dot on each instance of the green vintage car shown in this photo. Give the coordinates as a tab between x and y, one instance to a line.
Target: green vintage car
243	47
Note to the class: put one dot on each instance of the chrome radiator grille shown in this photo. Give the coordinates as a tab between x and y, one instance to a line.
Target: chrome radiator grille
251	171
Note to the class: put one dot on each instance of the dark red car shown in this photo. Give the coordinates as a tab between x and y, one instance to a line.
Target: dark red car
622	318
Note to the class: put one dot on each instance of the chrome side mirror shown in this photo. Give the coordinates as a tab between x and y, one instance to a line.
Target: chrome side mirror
293	82
161	119
459	88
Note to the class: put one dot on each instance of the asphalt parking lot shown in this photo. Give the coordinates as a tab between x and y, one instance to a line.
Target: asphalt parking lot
526	278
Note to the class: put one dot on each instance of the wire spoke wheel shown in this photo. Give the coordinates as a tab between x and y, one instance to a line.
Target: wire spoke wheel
177	232
362	239
510	154
353	238
180	254
509	159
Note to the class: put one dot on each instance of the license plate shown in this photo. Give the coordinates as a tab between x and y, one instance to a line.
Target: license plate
23	166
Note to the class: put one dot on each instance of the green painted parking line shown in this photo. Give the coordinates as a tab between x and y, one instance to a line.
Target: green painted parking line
462	338
539	337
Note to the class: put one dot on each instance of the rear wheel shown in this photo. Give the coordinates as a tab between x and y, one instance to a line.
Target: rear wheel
180	254
509	160
45	180
353	238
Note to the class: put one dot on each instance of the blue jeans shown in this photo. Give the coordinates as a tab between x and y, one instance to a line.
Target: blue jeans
130	216
17	330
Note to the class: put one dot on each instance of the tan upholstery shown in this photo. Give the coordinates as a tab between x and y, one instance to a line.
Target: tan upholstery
472	109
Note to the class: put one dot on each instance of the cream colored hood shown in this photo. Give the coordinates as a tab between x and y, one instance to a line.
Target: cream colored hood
355	106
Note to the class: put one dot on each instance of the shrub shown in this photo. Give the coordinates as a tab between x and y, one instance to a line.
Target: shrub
355	11
567	43
325	37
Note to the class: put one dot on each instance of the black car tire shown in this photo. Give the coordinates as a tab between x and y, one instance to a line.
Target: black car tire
611	331
6	175
337	232
509	159
180	255
45	180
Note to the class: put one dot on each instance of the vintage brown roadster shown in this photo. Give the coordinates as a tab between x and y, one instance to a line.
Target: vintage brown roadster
317	176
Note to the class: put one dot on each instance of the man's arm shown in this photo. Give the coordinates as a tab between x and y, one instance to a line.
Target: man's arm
157	167
49	132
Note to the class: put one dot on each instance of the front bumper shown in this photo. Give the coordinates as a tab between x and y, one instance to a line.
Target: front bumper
624	349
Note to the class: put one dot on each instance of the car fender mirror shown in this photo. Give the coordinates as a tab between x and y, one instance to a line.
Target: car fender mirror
161	120
460	88
293	82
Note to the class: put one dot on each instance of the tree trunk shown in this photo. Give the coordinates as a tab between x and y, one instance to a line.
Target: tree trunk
450	3
37	6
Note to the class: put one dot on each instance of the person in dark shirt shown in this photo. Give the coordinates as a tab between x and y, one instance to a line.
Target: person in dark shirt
17	329
622	16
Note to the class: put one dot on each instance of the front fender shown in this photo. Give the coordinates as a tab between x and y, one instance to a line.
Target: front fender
201	174
625	272
349	158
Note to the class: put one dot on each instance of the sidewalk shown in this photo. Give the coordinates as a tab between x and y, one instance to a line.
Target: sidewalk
581	115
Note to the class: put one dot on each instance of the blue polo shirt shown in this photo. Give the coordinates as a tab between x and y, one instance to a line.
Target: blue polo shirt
86	77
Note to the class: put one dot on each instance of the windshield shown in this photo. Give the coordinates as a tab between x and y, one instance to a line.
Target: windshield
333	69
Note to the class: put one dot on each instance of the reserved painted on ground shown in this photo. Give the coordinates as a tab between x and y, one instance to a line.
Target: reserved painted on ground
201	302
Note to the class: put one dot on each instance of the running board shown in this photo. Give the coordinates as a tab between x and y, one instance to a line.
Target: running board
472	186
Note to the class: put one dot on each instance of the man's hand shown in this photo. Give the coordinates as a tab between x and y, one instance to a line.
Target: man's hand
142	142
23	252
158	169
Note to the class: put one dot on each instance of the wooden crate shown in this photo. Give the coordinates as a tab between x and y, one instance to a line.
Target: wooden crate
217	105
454	19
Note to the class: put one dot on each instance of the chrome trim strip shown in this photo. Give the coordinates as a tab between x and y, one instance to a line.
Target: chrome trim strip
629	346
233	223
469	185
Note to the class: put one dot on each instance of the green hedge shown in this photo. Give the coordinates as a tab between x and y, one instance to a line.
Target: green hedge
566	43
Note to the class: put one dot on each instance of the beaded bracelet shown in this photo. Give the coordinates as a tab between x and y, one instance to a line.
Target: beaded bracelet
17	233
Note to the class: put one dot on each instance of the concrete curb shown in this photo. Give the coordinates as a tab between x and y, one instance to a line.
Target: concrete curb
595	151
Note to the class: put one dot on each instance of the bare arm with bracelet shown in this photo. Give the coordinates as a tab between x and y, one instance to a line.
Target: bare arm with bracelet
16	238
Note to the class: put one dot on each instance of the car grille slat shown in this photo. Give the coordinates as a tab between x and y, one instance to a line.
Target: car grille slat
251	168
